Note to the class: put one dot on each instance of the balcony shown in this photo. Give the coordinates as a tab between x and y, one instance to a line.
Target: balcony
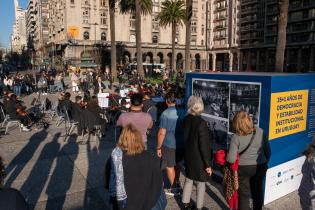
249	28
250	10
221	17
220	8
219	37
248	2
219	27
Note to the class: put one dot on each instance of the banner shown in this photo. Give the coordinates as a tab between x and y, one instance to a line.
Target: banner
283	179
288	112
73	32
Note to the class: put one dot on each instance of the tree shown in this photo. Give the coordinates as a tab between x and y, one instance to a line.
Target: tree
137	7
173	13
282	29
188	33
112	37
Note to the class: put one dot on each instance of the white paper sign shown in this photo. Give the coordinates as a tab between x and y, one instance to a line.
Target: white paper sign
283	179
103	99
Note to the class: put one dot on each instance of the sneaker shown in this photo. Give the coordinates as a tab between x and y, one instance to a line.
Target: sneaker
25	129
172	192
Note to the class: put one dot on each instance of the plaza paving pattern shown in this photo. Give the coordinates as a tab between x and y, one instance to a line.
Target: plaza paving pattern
55	174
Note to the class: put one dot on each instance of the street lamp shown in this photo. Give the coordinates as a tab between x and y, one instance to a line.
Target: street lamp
95	24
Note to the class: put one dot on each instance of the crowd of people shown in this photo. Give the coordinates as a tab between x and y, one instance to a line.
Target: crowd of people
184	142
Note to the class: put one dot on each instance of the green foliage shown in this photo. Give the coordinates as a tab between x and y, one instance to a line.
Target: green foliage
154	80
127	6
172	12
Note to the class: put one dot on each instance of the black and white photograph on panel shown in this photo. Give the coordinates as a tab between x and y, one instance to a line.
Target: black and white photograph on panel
215	96
219	132
244	97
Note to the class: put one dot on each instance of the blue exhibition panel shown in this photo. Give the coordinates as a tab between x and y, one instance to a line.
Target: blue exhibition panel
283	105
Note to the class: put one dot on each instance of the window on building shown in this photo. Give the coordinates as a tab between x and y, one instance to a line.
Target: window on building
103	36
202	42
103	3
155	39
176	40
132	38
103	18
193	40
155	9
72	1
85	20
86	35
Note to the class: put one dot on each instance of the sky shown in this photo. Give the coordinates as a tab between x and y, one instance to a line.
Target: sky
7	19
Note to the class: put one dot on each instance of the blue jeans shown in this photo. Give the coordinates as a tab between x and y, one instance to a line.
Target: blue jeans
161	202
17	90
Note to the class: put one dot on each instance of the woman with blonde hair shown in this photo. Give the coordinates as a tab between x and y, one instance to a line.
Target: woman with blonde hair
197	152
254	150
135	176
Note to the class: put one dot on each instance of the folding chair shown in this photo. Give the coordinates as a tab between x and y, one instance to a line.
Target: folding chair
9	122
70	125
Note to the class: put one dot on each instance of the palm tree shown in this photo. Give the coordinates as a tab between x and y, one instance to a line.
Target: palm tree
112	38
188	33
282	29
137	7
173	13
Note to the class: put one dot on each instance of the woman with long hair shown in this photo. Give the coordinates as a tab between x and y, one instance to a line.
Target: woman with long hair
135	176
254	153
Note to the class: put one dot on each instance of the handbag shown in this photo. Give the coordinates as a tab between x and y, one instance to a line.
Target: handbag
220	155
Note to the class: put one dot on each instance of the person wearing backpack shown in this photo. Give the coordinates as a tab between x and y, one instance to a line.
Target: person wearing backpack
249	143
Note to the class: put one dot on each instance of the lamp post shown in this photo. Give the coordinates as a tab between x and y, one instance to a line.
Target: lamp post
95	24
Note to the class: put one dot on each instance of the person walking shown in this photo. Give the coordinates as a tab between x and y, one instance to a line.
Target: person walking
307	187
135	179
75	82
197	156
254	150
170	143
141	120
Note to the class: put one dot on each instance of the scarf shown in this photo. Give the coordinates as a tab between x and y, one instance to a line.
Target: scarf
116	183
230	178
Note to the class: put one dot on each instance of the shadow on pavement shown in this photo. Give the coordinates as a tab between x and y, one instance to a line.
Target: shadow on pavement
61	178
25	155
35	183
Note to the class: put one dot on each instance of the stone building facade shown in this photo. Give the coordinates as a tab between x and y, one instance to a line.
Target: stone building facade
223	35
18	38
78	26
258	26
37	19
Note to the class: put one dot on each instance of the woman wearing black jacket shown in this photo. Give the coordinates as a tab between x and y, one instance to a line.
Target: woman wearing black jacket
197	152
135	180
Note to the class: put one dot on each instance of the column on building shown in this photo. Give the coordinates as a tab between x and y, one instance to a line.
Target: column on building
231	58
287	64
299	60
312	67
240	60
266	61
257	60
214	59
